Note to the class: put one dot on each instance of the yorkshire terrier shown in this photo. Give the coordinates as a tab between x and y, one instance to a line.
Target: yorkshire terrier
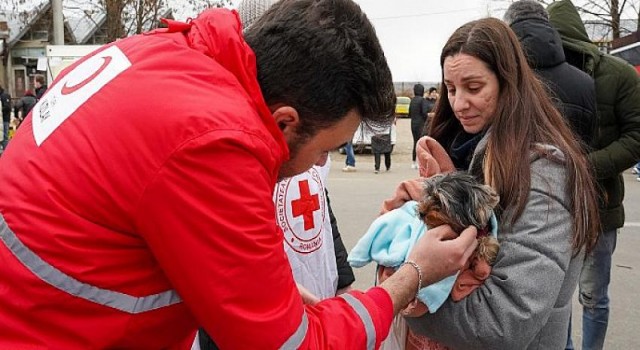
457	199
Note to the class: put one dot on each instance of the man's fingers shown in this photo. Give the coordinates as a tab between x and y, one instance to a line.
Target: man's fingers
469	234
468	238
443	232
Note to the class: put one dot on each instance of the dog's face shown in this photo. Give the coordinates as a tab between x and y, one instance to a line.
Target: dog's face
458	200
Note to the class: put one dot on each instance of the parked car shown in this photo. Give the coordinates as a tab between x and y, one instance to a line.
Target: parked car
362	137
402	106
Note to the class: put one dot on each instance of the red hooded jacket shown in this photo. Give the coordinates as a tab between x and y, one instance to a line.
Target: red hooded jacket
136	203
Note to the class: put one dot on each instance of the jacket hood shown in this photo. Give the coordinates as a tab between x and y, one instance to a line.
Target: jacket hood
540	41
564	17
418	90
217	33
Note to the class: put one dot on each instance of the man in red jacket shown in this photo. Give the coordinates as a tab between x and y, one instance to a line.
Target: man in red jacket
136	198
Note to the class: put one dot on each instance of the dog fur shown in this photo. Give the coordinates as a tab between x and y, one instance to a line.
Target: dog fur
457	199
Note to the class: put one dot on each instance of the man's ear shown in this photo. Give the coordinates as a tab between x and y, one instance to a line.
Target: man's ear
287	119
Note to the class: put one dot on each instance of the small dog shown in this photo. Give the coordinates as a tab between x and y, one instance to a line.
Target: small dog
457	199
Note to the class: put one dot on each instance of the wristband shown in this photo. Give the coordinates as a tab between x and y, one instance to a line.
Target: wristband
409	262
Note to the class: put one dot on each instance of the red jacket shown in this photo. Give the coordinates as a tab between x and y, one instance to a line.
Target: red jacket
136	204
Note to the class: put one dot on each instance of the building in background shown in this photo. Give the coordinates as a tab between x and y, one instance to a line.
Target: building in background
601	34
30	30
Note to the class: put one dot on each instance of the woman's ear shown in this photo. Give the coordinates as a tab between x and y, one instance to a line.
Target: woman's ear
287	119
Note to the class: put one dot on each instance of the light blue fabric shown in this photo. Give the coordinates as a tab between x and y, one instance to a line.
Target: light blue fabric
391	237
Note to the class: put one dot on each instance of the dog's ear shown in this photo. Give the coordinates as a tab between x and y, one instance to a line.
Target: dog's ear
436	218
492	197
486	199
431	213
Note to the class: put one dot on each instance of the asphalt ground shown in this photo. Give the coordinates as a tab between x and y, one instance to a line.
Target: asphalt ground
356	198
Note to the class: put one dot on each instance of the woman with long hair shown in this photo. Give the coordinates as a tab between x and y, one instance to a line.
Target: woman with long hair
495	120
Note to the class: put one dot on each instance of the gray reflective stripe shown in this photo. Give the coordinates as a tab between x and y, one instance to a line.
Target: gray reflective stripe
365	317
68	284
296	339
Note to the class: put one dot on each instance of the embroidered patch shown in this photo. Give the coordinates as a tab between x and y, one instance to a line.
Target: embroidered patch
300	211
74	89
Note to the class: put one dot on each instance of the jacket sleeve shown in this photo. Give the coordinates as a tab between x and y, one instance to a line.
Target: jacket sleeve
623	152
425	108
208	218
345	272
515	302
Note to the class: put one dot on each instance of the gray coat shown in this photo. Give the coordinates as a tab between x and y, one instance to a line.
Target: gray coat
526	302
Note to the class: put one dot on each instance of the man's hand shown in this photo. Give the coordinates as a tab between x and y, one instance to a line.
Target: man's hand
440	254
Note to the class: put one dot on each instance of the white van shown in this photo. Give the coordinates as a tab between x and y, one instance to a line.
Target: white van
362	137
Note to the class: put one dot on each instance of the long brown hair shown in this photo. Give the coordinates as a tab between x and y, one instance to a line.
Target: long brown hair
524	116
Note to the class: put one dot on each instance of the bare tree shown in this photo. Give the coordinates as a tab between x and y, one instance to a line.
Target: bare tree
608	13
122	17
145	13
114	27
137	16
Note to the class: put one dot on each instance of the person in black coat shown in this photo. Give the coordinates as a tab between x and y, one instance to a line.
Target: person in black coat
40	85
573	89
5	103
24	105
418	109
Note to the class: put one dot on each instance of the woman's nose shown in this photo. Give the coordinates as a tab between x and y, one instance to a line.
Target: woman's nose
460	103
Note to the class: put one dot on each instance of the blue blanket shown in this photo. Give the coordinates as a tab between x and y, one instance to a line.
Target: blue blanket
388	241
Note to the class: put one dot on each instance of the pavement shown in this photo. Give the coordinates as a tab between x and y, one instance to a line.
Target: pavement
356	198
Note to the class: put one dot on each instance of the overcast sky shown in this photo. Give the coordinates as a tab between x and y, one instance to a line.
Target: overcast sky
413	32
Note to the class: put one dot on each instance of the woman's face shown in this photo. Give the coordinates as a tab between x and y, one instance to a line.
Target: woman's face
472	89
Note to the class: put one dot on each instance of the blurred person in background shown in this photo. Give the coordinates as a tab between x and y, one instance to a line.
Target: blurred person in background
573	90
616	148
418	109
24	106
5	107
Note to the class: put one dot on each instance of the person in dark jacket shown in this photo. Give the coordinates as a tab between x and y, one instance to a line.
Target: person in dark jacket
573	90
616	148
5	102
24	105
41	87
418	109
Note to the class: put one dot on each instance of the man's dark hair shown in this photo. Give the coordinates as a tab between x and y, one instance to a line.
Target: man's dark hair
525	9
432	89
40	79
323	58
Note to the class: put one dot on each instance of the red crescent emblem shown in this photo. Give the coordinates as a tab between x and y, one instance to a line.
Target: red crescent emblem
66	90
